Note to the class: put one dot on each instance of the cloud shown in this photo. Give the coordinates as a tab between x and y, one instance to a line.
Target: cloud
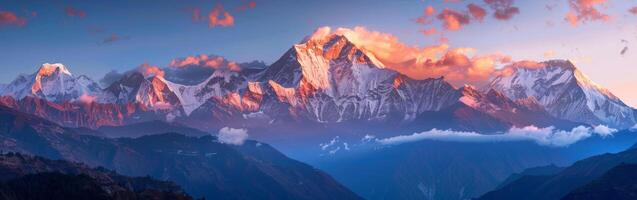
232	136
549	54
458	65
429	31
73	12
604	130
426	17
110	77
214	18
202	60
10	18
476	11
585	11
334	145
453	20
548	136
114	38
633	10
250	5
503	9
150	70
196	14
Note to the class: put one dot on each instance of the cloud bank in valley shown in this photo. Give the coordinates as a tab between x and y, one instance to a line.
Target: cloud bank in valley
548	136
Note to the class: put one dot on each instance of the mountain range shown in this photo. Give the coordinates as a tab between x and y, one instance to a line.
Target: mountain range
324	81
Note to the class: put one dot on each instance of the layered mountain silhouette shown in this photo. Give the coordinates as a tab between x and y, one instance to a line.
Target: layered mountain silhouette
606	176
203	166
29	177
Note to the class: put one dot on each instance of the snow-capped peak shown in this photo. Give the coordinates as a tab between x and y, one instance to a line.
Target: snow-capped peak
48	69
565	92
53	82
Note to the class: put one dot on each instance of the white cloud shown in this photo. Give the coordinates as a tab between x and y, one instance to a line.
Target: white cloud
332	142
547	136
233	136
604	130
368	138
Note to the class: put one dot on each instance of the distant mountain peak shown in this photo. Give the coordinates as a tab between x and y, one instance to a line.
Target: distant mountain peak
565	92
47	69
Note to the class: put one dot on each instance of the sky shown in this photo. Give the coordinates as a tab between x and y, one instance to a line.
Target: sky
96	37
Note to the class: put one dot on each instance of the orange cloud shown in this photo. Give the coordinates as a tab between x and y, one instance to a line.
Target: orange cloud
584	11
453	20
250	5
633	10
456	65
215	20
476	11
148	70
72	12
427	13
503	9
203	60
10	18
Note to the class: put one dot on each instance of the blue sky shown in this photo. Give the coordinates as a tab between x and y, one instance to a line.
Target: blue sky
156	32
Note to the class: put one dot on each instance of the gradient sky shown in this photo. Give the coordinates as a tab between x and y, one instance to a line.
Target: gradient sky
80	34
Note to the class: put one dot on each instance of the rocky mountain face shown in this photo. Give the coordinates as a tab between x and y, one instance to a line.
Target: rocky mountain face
203	166
566	93
325	81
29	177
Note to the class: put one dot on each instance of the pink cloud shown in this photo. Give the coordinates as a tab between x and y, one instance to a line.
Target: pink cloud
196	14
251	4
10	18
429	31
73	12
426	17
585	11
214	18
503	9
633	10
453	20
476	11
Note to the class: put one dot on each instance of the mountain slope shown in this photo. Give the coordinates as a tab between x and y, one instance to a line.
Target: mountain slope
28	177
558	185
617	183
202	166
565	92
